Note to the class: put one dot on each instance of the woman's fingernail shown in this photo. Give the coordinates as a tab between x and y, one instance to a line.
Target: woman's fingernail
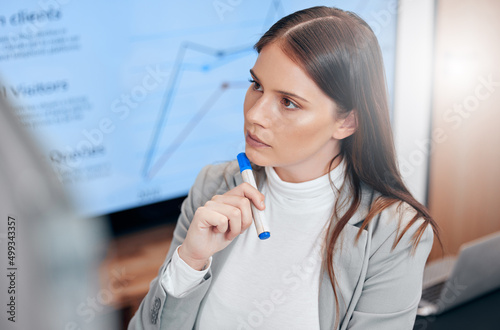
261	203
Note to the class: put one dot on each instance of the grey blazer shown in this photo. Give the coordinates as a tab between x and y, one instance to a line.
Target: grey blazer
378	287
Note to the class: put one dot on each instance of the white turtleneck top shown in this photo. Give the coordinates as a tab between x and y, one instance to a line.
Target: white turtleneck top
270	284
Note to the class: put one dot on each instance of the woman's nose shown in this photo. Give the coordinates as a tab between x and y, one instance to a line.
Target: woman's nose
259	112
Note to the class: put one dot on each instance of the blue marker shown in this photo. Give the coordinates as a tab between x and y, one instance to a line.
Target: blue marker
258	216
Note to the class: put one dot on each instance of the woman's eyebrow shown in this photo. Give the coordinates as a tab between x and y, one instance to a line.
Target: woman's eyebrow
281	92
293	95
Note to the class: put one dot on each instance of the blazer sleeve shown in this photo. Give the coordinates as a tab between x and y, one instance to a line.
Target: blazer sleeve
160	310
393	284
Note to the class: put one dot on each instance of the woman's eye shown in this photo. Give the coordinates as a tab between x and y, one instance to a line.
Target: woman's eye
288	104
256	85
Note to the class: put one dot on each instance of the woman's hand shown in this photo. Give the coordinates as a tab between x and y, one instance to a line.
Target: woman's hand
218	222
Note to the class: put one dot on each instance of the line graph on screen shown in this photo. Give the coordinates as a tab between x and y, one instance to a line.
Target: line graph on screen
156	157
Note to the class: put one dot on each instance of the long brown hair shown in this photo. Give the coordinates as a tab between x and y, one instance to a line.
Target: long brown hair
340	52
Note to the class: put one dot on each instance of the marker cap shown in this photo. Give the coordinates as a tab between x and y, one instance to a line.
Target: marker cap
243	162
264	235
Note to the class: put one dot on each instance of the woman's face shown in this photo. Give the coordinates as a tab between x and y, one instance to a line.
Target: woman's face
290	123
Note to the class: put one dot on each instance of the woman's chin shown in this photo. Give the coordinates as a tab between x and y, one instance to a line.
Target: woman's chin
256	156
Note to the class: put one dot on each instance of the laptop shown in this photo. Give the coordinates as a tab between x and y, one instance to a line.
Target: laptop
451	281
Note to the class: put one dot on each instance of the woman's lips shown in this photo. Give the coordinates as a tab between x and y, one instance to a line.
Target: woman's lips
254	141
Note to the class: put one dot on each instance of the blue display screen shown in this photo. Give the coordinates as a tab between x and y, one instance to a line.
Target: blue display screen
130	99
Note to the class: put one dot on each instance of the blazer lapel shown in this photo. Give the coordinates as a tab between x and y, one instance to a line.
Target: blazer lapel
349	262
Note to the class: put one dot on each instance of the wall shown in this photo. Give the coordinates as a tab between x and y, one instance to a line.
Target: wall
464	184
413	92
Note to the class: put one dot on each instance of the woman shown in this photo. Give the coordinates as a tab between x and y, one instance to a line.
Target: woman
348	241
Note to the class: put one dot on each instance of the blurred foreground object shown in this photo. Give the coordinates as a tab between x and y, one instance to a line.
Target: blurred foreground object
48	255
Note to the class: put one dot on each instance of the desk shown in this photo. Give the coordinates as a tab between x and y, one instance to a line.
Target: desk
131	264
482	313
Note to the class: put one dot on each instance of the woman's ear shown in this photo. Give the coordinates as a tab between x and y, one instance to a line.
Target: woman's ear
347	126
